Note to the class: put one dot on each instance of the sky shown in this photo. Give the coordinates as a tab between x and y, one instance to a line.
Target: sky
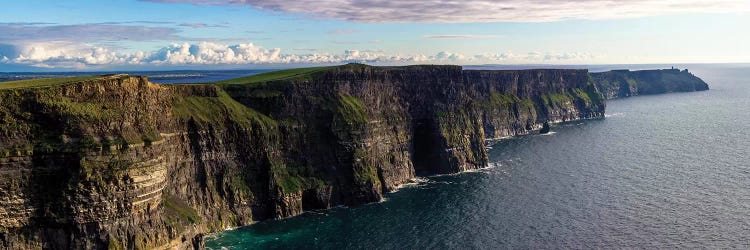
83	35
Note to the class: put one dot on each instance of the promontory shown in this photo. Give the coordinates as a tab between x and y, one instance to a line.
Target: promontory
118	162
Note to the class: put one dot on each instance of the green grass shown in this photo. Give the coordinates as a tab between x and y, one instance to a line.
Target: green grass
498	99
293	178
290	181
178	211
80	110
289	184
287	74
216	110
44	82
238	183
364	171
352	110
556	100
582	94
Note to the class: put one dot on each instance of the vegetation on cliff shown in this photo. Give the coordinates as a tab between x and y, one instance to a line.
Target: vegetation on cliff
624	83
177	161
44	82
219	110
280	75
351	110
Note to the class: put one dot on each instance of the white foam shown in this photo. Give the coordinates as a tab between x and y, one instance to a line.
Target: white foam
493	140
478	170
413	182
484	169
614	115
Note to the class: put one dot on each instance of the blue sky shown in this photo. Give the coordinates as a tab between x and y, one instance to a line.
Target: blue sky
168	34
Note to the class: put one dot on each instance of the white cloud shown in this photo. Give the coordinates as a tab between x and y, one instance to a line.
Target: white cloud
73	55
67	55
448	11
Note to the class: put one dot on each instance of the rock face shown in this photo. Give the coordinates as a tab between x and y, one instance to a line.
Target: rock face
118	162
624	83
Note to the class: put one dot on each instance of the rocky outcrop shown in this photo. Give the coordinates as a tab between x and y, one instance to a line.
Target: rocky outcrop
117	162
624	83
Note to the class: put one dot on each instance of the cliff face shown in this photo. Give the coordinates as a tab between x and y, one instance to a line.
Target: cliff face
118	162
517	101
624	83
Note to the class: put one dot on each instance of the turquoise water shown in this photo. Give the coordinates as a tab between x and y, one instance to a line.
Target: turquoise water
666	171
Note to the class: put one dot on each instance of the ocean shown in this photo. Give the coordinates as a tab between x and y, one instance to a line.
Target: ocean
663	171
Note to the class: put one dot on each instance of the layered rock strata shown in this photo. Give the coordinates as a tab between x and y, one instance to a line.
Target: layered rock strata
624	83
118	162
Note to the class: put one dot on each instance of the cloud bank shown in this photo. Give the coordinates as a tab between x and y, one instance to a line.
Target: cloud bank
448	11
70	55
96	45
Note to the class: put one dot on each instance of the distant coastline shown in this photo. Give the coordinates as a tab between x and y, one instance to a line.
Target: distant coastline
210	75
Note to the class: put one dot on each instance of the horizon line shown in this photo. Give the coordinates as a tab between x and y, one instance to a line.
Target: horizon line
196	67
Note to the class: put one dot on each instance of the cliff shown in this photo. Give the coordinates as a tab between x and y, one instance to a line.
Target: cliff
118	162
624	83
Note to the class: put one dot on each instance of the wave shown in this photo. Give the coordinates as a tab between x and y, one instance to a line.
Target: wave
477	170
492	140
413	182
619	114
422	181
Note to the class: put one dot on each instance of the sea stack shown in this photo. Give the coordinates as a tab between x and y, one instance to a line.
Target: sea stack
545	128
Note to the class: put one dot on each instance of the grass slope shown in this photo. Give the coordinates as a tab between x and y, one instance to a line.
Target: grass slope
215	110
275	75
43	82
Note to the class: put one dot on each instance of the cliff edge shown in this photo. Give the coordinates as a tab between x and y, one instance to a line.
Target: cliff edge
624	83
118	162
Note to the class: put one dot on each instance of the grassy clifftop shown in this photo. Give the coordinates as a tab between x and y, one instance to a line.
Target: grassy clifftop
110	109
287	74
181	160
624	83
44	82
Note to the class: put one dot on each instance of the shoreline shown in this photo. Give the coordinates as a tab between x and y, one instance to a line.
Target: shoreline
416	181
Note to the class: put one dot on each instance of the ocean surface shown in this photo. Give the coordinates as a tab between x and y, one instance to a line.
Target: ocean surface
664	171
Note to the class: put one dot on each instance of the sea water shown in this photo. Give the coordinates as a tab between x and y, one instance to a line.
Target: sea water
662	171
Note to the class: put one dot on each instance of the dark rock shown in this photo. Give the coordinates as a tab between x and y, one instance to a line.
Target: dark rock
624	83
545	128
118	162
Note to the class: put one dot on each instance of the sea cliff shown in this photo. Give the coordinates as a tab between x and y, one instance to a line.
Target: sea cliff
118	162
623	83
